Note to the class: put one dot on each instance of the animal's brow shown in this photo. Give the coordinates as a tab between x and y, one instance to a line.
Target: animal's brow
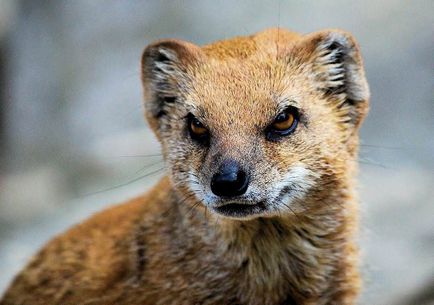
283	103
195	110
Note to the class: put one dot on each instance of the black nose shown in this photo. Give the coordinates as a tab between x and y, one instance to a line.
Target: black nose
229	181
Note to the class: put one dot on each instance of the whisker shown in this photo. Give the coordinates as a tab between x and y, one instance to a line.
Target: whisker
141	156
381	147
293	212
147	166
124	184
192	209
217	221
186	198
372	163
182	201
206	214
195	204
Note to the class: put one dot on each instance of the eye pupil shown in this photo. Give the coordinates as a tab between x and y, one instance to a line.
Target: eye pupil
197	127
197	123
281	117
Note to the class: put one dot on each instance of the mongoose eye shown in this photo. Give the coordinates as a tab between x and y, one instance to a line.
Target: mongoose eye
284	124
283	121
197	127
197	130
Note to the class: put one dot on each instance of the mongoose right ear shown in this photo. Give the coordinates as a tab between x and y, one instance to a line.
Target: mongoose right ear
337	69
166	65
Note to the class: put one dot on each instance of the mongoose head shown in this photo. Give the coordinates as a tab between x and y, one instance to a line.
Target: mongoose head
257	126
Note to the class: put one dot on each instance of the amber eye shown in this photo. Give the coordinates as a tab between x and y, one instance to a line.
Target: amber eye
284	124
197	127
197	130
283	121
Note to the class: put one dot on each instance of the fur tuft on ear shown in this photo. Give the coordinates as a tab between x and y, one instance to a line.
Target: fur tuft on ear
338	57
165	68
338	70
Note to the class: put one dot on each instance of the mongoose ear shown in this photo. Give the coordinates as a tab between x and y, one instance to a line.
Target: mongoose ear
166	65
338	71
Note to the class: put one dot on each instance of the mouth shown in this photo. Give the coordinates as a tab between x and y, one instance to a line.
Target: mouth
239	210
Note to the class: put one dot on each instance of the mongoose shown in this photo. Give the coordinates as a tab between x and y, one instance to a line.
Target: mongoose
260	139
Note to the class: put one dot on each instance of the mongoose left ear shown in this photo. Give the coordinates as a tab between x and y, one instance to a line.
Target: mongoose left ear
338	70
166	65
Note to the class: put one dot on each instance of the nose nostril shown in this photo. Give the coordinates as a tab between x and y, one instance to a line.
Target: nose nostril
229	183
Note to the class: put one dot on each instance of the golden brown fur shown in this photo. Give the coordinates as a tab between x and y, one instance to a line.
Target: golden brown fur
169	246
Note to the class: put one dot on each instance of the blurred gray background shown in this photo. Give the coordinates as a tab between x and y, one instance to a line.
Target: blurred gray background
71	121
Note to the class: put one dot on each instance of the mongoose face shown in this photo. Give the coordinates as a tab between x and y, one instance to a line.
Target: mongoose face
256	126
